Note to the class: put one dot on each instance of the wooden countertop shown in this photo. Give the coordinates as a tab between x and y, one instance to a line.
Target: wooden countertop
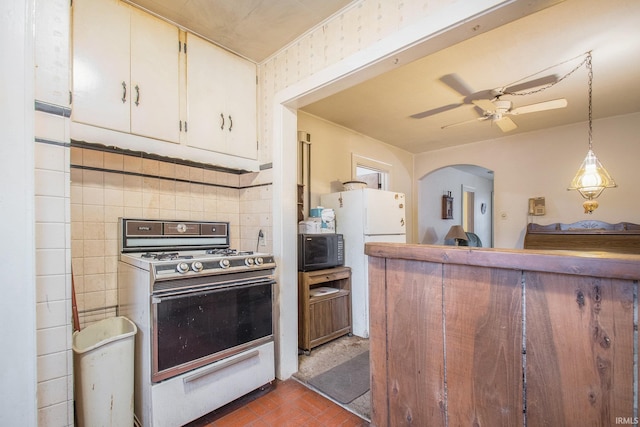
600	264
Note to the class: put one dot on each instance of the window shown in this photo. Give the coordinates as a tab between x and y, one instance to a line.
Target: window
373	172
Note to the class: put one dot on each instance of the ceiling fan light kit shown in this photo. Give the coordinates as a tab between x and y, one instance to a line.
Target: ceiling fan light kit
592	178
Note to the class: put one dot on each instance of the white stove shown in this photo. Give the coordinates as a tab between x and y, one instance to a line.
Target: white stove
204	314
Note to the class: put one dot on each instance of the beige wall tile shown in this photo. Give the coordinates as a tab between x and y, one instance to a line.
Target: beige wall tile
150	167
113	181
93	213
166	169
114	161
182	172
133	164
93	158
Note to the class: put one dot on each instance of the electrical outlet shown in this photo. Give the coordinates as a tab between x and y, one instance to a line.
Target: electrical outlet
262	238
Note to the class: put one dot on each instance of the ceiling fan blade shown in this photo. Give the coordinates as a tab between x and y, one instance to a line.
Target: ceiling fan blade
540	106
479	119
485	105
457	84
542	81
435	111
505	124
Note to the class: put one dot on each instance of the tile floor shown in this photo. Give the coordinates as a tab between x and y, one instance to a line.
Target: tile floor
286	403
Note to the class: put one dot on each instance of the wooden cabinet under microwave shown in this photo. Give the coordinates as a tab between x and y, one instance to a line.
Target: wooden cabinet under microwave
324	306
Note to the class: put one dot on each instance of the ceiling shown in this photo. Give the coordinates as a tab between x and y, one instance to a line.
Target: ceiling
254	29
550	42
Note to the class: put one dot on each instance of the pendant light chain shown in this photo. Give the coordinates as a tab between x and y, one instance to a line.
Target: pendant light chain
547	86
590	74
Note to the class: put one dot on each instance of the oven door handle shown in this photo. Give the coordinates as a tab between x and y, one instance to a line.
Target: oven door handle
157	299
221	366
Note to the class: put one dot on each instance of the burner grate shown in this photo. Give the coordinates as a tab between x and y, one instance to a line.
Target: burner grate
163	256
227	251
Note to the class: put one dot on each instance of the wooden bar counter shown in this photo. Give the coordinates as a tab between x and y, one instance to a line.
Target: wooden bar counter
487	337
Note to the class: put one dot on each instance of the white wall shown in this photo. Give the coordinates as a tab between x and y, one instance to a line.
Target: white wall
332	148
542	164
431	227
18	397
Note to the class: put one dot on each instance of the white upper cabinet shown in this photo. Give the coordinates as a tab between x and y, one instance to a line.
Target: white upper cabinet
221	100
125	70
155	97
136	87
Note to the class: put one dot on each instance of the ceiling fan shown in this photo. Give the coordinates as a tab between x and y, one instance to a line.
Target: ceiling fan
457	84
498	111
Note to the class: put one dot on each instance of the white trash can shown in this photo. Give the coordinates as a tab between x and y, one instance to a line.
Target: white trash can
103	373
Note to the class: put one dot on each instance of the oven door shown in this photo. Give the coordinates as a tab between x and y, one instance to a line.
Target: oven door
192	328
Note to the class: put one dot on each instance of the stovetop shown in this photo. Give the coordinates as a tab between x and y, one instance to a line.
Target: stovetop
164	256
177	249
178	264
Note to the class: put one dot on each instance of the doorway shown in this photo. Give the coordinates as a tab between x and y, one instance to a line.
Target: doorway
468	205
471	187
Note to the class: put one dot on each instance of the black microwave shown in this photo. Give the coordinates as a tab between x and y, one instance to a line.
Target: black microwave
318	251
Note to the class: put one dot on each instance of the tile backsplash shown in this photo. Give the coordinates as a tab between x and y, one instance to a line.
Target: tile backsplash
108	185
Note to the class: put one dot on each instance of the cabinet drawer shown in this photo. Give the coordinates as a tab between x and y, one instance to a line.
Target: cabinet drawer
326	276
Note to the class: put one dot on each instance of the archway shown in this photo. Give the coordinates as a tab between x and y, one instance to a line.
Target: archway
461	182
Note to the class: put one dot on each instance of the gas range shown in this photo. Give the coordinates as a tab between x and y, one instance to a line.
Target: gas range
185	249
204	314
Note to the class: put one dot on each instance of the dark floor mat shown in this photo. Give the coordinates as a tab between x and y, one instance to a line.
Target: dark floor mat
345	382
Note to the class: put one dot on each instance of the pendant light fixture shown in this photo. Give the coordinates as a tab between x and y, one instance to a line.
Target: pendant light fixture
592	178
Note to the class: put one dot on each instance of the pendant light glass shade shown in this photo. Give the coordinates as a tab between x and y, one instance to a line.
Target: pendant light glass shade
592	178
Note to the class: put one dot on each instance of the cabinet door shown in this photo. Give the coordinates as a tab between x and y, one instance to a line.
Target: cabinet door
241	107
221	100
155	101
328	317
206	120
101	64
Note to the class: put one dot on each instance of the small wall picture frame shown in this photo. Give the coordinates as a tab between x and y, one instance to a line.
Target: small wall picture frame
447	206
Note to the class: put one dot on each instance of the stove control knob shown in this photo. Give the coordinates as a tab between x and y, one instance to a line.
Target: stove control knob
248	262
225	263
182	267
259	260
197	266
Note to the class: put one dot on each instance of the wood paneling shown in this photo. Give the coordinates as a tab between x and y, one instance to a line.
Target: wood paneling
378	340
415	387
580	349
515	342
483	351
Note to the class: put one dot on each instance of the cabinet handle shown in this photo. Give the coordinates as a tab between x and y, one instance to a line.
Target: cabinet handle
124	92
137	96
222	117
230	123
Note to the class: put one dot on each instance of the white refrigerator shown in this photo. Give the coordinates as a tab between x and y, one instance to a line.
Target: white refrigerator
362	216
